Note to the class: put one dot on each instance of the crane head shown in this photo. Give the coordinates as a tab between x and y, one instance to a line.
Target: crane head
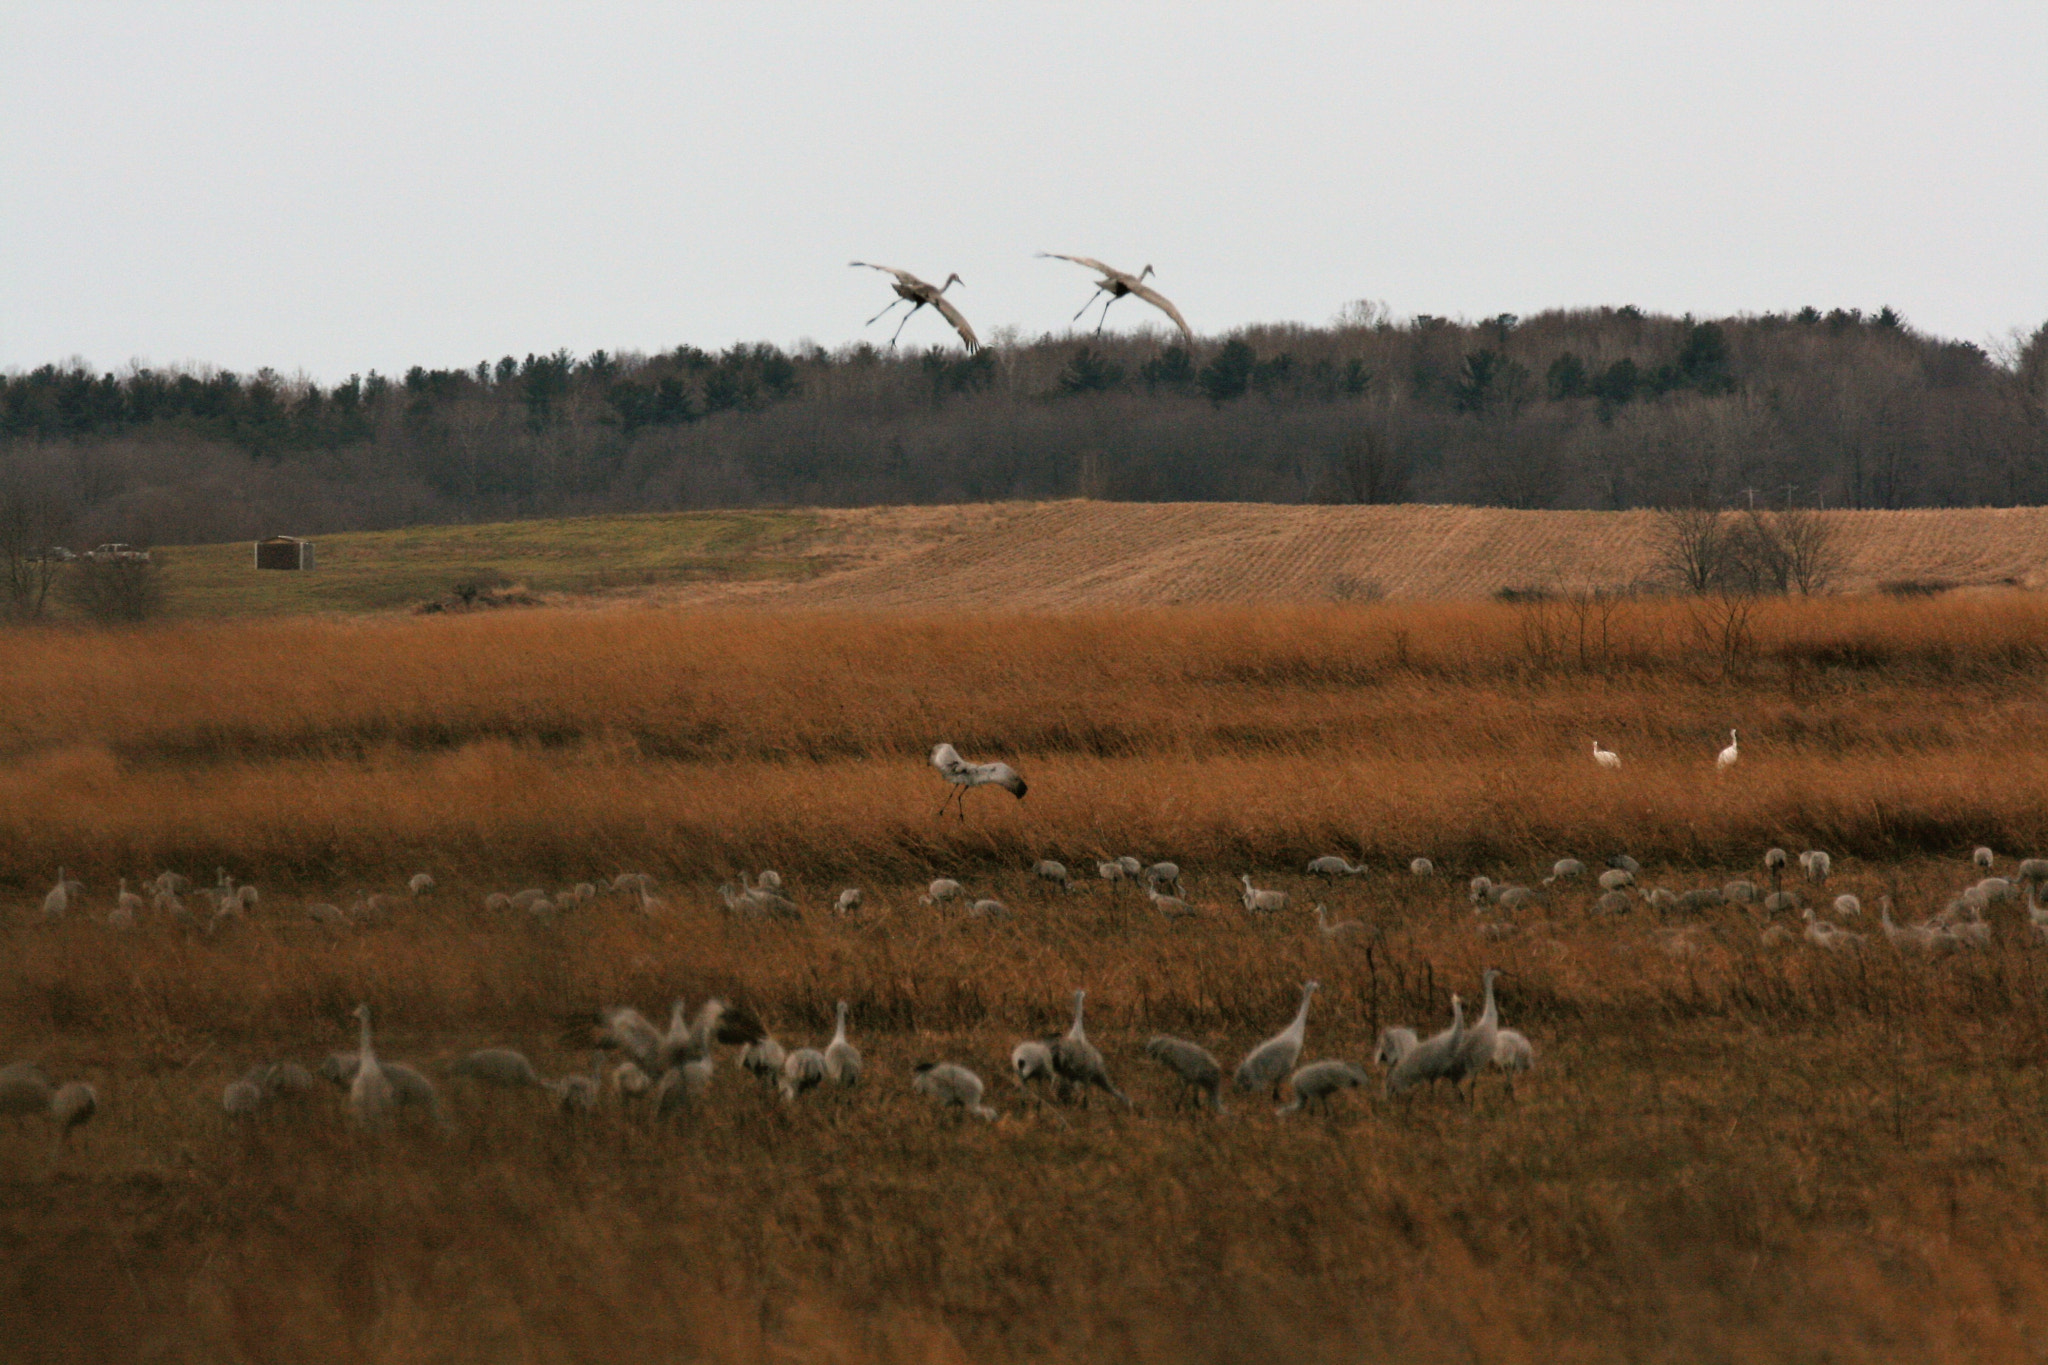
952	280
1146	271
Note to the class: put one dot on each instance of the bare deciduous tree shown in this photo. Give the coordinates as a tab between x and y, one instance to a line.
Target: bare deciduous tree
1692	547
34	517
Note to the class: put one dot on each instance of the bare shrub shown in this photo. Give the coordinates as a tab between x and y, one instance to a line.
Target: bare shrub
114	591
1813	551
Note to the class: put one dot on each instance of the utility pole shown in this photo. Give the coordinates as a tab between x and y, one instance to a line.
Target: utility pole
1790	489
1752	498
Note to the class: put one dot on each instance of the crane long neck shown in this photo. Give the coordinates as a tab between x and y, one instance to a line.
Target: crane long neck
839	1033
1080	999
1300	1023
369	1052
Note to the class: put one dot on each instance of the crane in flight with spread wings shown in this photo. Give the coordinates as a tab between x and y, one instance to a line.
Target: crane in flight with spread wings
1116	284
914	291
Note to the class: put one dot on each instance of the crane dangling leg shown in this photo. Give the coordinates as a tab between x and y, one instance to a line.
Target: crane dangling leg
906	321
878	317
1105	313
1090	304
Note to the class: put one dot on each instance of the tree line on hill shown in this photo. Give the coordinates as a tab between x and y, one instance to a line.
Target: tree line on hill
1607	408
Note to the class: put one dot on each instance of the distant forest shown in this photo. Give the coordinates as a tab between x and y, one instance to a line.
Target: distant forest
1607	408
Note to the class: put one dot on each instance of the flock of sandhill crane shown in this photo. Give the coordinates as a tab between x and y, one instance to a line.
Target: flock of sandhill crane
1114	284
672	1068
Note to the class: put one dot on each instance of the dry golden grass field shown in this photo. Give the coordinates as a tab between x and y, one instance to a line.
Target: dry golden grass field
1727	1151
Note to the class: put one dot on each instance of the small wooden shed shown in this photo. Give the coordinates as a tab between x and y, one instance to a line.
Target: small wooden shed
284	552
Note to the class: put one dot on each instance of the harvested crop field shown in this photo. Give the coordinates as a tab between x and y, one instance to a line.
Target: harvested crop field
1079	555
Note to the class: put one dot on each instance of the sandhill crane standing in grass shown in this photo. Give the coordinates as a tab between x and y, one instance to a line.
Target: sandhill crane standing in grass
1172	907
1728	755
420	883
1475	1049
848	902
58	902
1116	284
1315	1083
1192	1063
1512	1055
953	1086
914	291
1392	1045
802	1070
1266	1065
763	1060
1163	874
1031	1063
1262	902
1077	1062
369	1094
1048	870
1564	870
1332	866
1983	857
1432	1059
1606	758
1336	931
578	1094
941	890
1421	867
965	776
842	1059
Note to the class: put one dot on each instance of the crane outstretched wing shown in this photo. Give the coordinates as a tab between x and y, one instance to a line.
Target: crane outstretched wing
952	315
903	276
1164	305
1110	271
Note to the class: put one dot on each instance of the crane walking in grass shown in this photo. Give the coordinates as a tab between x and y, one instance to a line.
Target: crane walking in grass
966	776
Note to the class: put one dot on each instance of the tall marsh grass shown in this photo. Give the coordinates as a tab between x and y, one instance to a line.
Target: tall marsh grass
1726	1152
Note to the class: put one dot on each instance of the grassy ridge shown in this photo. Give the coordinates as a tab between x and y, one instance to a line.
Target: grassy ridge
382	570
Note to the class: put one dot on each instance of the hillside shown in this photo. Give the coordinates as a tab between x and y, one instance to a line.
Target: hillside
1064	556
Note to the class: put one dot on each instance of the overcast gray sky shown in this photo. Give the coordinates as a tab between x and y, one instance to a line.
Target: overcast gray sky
345	187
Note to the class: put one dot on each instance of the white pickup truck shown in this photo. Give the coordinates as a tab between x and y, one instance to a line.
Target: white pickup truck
101	554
